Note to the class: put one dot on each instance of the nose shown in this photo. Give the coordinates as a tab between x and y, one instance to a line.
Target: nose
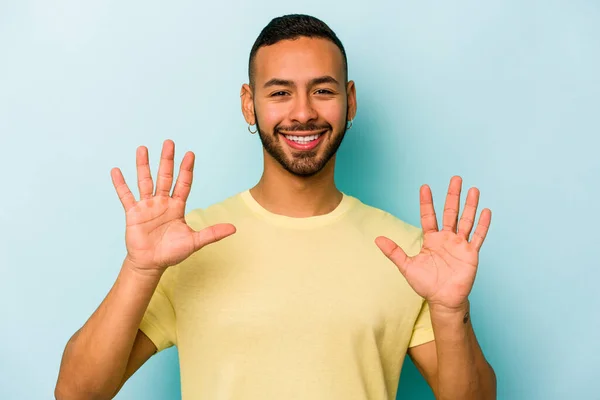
303	110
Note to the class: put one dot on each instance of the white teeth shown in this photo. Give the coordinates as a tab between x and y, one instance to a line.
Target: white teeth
302	139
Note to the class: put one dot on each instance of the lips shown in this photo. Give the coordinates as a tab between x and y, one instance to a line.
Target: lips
303	140
302	133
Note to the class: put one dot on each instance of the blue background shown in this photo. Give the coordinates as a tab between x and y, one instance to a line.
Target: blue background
505	94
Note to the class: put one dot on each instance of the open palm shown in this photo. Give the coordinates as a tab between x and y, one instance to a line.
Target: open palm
444	271
157	235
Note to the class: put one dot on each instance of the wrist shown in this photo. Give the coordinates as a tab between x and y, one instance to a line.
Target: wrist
144	272
460	311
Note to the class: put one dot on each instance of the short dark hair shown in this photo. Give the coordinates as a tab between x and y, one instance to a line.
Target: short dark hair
290	27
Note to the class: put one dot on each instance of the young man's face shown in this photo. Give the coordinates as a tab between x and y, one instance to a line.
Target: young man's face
300	102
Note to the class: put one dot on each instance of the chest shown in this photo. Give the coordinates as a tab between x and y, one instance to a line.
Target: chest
284	286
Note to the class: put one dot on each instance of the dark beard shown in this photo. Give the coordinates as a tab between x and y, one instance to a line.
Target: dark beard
302	163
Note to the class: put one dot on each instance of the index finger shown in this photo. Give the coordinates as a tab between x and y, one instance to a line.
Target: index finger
485	218
125	195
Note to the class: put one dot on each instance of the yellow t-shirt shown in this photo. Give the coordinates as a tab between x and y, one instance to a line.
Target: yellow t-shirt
290	308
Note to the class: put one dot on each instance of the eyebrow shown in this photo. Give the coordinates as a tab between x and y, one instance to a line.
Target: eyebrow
315	81
278	82
323	79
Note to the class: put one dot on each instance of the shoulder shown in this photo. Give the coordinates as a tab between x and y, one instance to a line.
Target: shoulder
226	210
384	223
382	219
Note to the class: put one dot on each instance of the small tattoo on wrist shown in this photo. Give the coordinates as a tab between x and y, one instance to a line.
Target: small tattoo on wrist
466	318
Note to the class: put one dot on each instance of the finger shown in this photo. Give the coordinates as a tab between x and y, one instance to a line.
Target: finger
164	181
482	228
393	252
212	234
125	195
467	220
145	184
185	177
428	218
452	204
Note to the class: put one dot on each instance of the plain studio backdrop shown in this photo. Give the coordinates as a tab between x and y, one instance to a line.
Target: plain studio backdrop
505	94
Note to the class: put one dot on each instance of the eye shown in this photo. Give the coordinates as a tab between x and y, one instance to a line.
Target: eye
280	93
324	91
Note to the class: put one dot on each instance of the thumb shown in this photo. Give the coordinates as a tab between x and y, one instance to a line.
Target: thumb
212	234
393	252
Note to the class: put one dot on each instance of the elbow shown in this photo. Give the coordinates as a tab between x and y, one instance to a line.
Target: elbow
488	384
484	388
68	389
76	382
64	393
61	393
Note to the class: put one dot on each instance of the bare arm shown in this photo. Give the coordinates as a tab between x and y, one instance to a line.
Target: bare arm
443	274
142	350
453	364
463	372
95	359
108	349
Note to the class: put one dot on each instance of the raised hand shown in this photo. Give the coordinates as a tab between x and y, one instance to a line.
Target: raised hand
444	271
157	235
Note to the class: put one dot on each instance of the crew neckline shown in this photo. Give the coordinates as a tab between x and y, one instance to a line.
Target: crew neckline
297	222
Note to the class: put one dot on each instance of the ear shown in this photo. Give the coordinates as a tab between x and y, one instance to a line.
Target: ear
247	98
351	100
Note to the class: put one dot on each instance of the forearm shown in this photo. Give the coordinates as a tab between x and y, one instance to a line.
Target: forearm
463	372
95	358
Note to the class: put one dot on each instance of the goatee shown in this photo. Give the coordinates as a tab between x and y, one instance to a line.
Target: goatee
301	163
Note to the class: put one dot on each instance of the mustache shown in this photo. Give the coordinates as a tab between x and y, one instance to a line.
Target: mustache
302	127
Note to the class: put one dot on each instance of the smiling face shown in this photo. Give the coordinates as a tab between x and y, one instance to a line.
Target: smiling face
300	103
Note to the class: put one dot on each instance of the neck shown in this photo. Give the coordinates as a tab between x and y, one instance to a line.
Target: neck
283	193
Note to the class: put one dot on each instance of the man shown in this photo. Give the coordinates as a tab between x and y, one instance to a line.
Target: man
291	289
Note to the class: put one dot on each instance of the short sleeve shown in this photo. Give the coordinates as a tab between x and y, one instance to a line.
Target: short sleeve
158	322
422	330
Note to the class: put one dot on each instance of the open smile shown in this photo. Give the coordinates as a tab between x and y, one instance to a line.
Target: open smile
303	140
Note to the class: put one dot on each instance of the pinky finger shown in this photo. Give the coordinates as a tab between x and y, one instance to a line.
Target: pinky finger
125	195
482	228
